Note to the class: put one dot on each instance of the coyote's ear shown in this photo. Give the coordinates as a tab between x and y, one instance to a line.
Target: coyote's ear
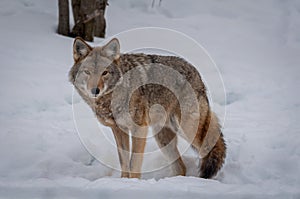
80	49
112	49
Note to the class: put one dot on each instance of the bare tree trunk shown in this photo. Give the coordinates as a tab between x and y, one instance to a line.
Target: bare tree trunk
84	13
78	29
88	18
63	17
87	7
76	8
100	23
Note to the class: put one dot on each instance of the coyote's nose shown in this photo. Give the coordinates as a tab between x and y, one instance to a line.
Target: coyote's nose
95	91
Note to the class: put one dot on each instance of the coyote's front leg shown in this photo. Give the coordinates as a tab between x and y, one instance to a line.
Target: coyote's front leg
122	140
139	136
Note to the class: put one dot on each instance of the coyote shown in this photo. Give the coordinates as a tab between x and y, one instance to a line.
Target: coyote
99	71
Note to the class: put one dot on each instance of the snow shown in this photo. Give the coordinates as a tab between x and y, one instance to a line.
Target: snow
256	45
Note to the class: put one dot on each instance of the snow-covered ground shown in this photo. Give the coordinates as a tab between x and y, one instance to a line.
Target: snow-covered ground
256	45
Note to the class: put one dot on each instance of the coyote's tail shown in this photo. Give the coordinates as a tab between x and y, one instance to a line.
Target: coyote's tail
213	148
214	160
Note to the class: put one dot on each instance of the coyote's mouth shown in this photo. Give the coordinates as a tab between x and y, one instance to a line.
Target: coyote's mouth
93	96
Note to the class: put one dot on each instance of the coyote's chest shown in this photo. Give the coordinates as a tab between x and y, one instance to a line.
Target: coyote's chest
102	109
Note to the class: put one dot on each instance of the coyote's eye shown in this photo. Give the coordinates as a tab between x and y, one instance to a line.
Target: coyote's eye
87	72
105	73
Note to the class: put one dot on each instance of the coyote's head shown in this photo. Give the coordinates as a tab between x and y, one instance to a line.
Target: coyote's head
95	71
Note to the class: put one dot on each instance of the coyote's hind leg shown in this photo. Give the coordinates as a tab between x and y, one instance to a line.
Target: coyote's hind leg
167	142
